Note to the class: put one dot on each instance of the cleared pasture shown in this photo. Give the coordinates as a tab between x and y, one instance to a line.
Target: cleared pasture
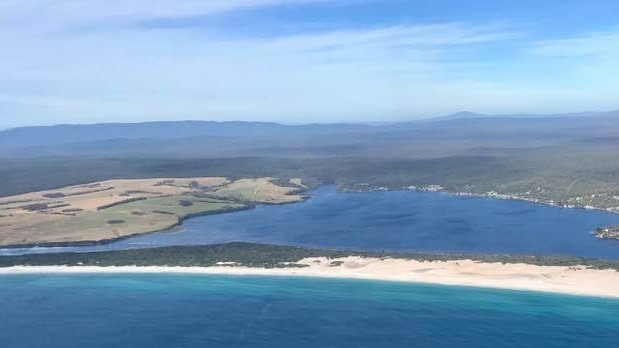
114	209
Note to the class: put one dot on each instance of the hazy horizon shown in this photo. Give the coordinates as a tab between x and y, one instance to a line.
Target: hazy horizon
308	61
310	122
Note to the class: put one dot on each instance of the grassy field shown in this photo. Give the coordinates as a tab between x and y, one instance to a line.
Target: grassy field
258	190
110	210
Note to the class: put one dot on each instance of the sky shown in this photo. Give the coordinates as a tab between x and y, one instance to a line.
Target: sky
90	61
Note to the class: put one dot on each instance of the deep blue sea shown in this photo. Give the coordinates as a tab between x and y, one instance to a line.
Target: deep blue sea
400	221
57	311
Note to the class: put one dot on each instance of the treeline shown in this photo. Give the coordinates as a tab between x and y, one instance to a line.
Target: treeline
262	255
576	174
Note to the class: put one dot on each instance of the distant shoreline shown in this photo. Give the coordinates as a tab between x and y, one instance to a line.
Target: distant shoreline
572	280
439	189
498	196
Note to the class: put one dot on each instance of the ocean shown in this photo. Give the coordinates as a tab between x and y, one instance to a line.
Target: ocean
65	311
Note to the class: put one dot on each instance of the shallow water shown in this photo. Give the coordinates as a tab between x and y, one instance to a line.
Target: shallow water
398	221
225	311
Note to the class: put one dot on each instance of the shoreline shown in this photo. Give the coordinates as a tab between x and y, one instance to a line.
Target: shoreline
85	243
567	280
177	225
305	196
28	226
498	196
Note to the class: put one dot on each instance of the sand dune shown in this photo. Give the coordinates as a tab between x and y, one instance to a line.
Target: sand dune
558	279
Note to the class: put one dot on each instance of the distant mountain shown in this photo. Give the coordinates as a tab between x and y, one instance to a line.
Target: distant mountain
68	134
472	115
462	115
458	133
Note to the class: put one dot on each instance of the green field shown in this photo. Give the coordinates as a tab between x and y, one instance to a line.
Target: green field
150	215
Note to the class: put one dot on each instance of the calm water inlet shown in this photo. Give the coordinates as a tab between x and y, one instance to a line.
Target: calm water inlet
398	221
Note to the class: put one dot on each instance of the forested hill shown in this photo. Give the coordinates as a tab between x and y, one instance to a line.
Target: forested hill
568	159
452	135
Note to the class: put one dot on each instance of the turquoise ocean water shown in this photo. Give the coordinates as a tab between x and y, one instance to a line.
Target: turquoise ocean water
225	311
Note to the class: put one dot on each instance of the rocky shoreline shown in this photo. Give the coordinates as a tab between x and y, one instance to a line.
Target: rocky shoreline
611	232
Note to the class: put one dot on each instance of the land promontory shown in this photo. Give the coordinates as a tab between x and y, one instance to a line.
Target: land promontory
109	210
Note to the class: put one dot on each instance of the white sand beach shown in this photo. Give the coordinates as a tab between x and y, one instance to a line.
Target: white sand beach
558	279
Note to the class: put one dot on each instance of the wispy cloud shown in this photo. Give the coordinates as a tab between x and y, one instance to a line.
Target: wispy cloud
350	72
446	34
591	44
587	60
53	15
99	9
342	72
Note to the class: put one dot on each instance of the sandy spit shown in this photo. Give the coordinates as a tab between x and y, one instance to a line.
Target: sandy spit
557	279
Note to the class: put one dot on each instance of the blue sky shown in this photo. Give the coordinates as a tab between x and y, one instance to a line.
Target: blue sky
86	61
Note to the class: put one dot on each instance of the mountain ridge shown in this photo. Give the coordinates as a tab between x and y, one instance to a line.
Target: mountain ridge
269	137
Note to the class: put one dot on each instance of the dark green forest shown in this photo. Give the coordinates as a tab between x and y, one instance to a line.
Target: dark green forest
262	255
567	160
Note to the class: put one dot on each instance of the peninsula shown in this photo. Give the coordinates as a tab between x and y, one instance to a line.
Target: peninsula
109	210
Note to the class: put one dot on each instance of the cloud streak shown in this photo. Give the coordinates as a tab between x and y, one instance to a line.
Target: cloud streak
75	11
352	72
602	43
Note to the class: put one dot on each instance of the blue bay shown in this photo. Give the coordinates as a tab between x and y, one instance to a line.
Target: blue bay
397	221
